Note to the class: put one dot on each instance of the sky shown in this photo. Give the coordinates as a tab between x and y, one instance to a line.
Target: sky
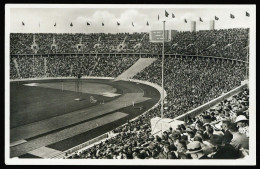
41	18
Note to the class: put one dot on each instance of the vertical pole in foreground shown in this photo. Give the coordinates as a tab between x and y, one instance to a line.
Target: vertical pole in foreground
162	70
33	66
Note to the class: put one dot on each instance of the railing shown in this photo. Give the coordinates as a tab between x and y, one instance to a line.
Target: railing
131	54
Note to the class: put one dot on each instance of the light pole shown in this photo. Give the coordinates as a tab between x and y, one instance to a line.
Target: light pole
162	70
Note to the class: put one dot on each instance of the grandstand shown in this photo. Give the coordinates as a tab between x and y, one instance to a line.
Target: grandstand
205	85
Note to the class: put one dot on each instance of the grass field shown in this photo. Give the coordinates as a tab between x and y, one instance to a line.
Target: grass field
33	105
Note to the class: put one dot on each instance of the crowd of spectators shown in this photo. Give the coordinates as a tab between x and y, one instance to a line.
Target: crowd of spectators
189	83
229	43
29	66
222	132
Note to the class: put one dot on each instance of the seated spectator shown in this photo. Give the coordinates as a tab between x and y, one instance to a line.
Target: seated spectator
225	129
239	140
242	123
195	150
222	151
167	153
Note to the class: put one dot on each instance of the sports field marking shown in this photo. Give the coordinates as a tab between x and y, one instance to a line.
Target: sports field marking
54	123
31	84
109	94
85	87
17	142
64	134
45	152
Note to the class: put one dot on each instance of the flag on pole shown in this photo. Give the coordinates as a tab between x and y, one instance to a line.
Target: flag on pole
147	23
23	23
232	16
118	24
55	24
247	14
166	14
173	16
133	24
71	24
201	20
88	24
103	24
216	18
158	18
185	20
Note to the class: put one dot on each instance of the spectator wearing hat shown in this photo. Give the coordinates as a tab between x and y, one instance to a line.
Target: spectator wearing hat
242	123
222	151
239	140
195	150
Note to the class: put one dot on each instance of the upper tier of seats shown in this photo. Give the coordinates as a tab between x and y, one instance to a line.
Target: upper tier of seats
228	43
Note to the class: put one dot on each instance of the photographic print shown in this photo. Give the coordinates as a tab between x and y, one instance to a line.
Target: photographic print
130	84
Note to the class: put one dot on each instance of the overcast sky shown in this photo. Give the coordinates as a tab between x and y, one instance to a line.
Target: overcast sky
42	19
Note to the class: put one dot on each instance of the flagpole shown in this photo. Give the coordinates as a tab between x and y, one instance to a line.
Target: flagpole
39	27
162	70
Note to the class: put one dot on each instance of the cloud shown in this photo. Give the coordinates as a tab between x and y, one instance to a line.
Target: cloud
109	16
110	20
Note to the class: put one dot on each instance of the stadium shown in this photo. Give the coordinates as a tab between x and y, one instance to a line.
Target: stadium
124	96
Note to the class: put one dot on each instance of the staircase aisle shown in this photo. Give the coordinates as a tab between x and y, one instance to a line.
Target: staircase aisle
141	64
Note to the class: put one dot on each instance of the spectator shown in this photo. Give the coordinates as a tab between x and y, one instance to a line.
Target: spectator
239	140
227	135
242	123
195	150
222	151
167	153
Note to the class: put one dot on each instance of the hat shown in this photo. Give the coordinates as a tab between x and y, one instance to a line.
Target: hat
142	151
216	139
205	124
151	146
165	143
240	118
194	147
189	130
